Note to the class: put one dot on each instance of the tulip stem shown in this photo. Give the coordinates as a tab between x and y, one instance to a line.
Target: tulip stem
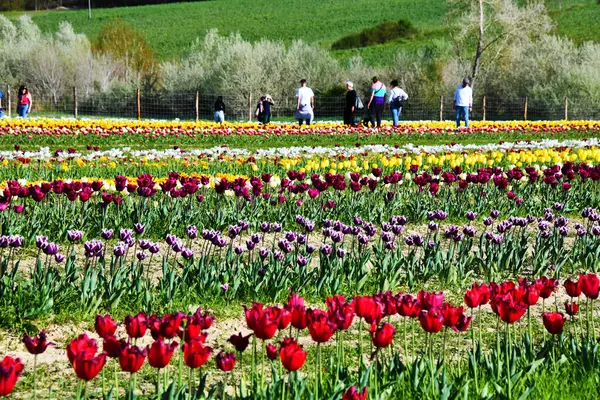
529	329
405	341
444	346
158	382
506	339
103	382
116	380
190	383
35	377
360	348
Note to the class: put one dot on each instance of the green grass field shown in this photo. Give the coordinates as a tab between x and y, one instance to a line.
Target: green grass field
171	28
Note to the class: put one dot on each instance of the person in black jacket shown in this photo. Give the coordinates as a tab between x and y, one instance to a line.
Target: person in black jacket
350	106
219	110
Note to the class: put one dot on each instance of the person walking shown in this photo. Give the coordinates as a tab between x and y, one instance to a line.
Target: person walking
351	104
396	100
463	102
377	101
219	110
263	109
1	108
306	103
24	102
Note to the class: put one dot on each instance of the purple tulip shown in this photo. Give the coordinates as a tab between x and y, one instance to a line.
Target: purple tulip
250	245
191	231
74	235
326	249
470	215
301	239
51	249
301	261
107	234
141	256
120	249
309	249
276	227
265	227
187	253
363	239
357	220
263	252
170	239
41	241
145	244
340	252
494	214
139	228
290	236
4	241
59	258
177	246
154	248
124	234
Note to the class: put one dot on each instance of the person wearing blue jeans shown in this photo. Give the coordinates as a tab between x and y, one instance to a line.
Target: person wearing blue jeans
463	102
396	100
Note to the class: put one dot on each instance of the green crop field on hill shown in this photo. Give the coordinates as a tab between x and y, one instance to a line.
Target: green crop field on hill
171	28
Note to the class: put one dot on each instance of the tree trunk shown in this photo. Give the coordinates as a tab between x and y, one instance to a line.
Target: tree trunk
479	50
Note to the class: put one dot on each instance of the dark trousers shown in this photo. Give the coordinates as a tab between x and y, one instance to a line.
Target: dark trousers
348	116
376	113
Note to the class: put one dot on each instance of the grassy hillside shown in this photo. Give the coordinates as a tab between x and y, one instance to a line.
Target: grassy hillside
170	28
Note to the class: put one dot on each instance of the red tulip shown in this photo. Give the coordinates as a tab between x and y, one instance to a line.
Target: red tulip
83	343
430	300
113	346
239	342
463	323
295	306
160	353
531	296
321	329
431	320
137	325
226	361
285	317
571	308
548	286
366	307
132	358
509	310
272	351
105	326
292	355
590	285
451	315
170	324
195	354
353	394
87	366
340	312
36	344
573	288
553	322
10	371
408	306
477	296
382	336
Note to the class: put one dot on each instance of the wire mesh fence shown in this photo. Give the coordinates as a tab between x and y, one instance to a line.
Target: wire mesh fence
242	107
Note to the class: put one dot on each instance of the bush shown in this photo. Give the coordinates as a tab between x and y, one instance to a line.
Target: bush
382	33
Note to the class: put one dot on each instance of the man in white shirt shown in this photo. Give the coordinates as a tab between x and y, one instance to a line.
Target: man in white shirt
306	103
463	102
396	100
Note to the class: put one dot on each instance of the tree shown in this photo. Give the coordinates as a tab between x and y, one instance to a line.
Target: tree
129	48
482	30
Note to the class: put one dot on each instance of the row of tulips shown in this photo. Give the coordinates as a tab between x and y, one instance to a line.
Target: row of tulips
157	129
93	205
313	259
383	313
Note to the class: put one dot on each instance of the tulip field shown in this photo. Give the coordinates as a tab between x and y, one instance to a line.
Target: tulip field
166	260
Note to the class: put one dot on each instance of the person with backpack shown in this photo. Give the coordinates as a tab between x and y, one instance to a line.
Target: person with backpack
377	101
1	109
396	100
263	109
352	104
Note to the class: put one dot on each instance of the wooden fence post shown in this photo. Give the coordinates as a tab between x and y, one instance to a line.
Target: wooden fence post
9	101
250	107
525	110
484	108
197	109
566	108
441	108
139	105
75	111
